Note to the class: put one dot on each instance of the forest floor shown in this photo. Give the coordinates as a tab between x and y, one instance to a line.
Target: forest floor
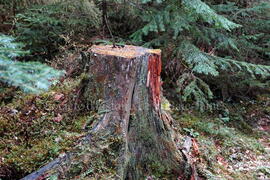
232	142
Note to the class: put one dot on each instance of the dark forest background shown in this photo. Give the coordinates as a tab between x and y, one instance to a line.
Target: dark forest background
215	72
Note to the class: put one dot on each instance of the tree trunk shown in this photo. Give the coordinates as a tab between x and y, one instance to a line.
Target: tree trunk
127	79
127	82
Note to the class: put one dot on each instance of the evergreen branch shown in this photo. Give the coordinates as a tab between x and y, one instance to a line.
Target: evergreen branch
31	77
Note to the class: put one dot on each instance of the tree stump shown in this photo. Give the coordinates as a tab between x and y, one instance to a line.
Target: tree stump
127	79
127	82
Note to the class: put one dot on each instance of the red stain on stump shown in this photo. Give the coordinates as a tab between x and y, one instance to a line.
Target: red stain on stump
153	79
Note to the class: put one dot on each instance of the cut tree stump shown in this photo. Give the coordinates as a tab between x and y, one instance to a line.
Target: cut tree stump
127	82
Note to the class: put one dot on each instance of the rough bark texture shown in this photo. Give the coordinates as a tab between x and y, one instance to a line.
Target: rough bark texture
130	82
127	82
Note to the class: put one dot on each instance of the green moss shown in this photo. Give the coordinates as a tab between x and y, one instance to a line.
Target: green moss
96	159
28	159
80	123
188	120
226	140
158	169
31	134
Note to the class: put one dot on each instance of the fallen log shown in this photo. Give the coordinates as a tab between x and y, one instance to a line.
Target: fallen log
127	82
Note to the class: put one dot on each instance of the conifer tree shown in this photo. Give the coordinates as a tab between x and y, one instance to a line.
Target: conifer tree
206	43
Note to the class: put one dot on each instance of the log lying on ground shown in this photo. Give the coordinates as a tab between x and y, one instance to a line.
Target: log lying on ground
127	81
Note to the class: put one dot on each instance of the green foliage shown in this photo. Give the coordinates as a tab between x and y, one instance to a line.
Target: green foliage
178	17
203	63
40	32
252	42
209	42
193	89
201	9
44	28
191	132
29	76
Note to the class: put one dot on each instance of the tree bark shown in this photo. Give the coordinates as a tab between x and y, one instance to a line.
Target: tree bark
127	82
127	79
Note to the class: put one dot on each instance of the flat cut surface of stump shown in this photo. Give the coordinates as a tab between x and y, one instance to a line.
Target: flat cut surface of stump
127	51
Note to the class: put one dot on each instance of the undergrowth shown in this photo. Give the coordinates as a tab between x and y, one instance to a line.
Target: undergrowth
38	128
233	147
35	129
